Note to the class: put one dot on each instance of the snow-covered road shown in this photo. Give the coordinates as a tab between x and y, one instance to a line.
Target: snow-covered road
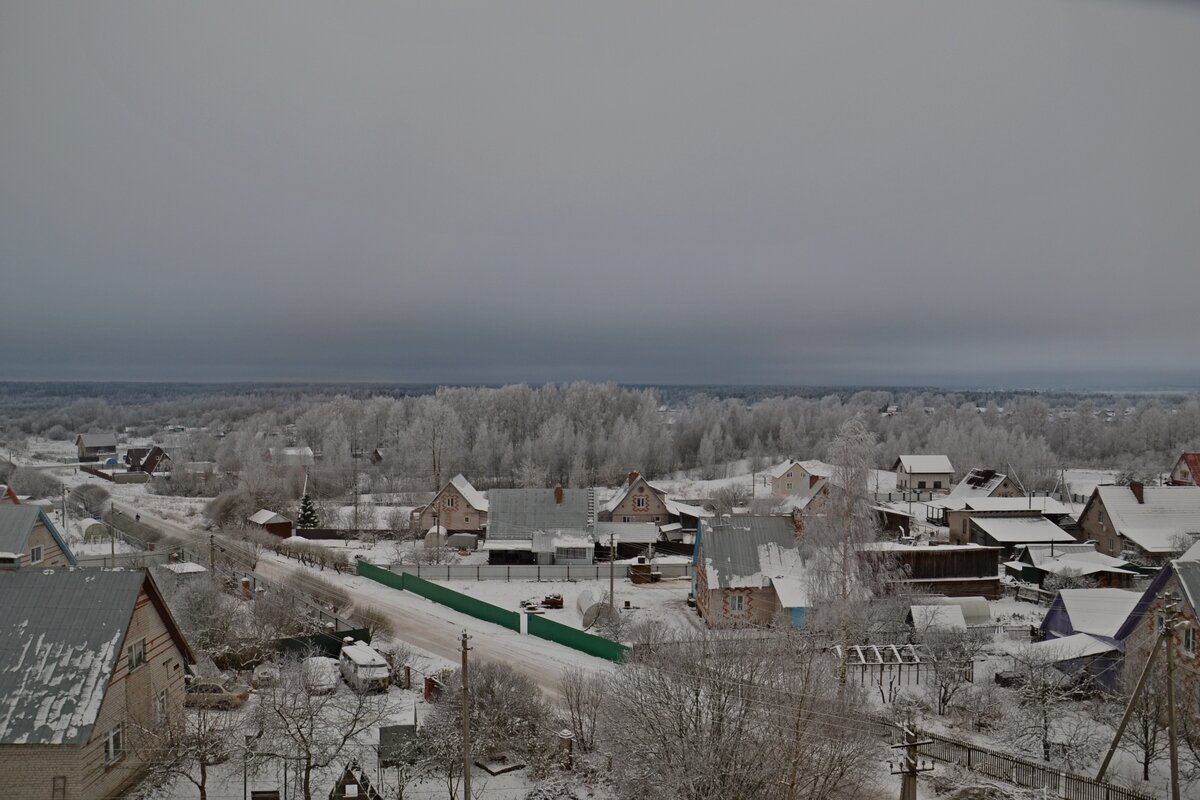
420	622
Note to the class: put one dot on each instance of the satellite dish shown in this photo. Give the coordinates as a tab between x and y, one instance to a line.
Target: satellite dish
591	615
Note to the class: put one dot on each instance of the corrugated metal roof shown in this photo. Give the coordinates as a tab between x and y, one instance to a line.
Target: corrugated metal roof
16	524
60	642
1021	530
741	551
519	513
98	439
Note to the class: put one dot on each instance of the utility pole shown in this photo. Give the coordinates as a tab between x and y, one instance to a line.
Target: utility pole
910	764
64	509
212	554
466	718
612	561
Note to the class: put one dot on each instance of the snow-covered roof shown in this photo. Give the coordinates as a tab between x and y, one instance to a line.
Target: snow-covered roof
1046	505
818	468
780	469
265	516
519	513
94	440
473	496
58	647
792	590
978	483
293	456
678	509
749	551
924	464
363	655
1099	612
1019	530
185	567
944	617
801	500
1069	648
1155	525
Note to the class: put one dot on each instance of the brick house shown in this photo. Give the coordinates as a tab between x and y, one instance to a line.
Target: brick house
793	477
459	508
29	539
748	572
118	660
1143	524
638	500
923	473
1180	579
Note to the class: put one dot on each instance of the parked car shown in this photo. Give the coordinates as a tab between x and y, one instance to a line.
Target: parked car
320	674
265	674
215	694
363	668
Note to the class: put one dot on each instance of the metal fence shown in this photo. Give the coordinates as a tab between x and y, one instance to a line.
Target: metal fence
1011	769
532	572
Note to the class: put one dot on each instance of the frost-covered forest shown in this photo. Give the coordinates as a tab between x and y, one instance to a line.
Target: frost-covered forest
586	434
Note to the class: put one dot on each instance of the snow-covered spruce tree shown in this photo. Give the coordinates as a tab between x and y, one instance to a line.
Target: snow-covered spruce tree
308	513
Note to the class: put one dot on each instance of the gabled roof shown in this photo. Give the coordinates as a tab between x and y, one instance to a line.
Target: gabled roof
96	439
1156	524
627	487
1099	612
1069	648
17	524
61	639
1192	462
978	483
780	469
265	516
154	458
519	513
924	464
473	496
748	551
801	500
1021	530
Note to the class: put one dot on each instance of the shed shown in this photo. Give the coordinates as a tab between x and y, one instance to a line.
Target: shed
272	523
938	617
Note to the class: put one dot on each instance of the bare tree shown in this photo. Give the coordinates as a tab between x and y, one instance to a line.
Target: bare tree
311	730
202	738
951	666
583	698
1047	719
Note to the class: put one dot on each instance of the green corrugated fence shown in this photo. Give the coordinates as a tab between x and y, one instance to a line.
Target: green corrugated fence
538	626
440	594
575	638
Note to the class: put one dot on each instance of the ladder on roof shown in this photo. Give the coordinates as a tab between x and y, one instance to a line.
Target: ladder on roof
591	507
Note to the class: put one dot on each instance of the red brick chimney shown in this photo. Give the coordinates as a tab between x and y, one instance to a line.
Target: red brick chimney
812	481
633	476
558	495
1137	489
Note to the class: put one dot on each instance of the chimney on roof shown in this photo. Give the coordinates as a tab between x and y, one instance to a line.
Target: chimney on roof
633	476
558	495
1138	491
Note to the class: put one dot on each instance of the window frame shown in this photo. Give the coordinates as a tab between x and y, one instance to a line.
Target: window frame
737	603
37	554
135	654
114	744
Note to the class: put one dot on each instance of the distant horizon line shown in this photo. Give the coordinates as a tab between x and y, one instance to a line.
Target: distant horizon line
1163	388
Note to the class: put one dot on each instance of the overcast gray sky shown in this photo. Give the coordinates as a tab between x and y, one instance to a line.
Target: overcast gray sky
1002	193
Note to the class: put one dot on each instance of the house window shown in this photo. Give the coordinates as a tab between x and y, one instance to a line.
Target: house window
137	654
937	484
58	787
624	519
789	475
451	502
656	518
920	484
114	744
1189	641
35	554
160	707
467	518
639	501
737	603
789	485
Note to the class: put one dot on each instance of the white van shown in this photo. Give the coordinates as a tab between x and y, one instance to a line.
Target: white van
363	668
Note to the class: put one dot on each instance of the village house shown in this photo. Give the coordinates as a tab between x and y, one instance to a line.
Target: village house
1034	563
1143	524
749	572
118	661
794	477
986	483
1178	584
925	473
638	500
96	446
1009	531
957	512
1186	471
28	539
287	457
532	526
457	508
272	522
1081	633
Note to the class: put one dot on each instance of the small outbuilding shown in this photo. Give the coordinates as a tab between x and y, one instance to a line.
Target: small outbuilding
272	522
